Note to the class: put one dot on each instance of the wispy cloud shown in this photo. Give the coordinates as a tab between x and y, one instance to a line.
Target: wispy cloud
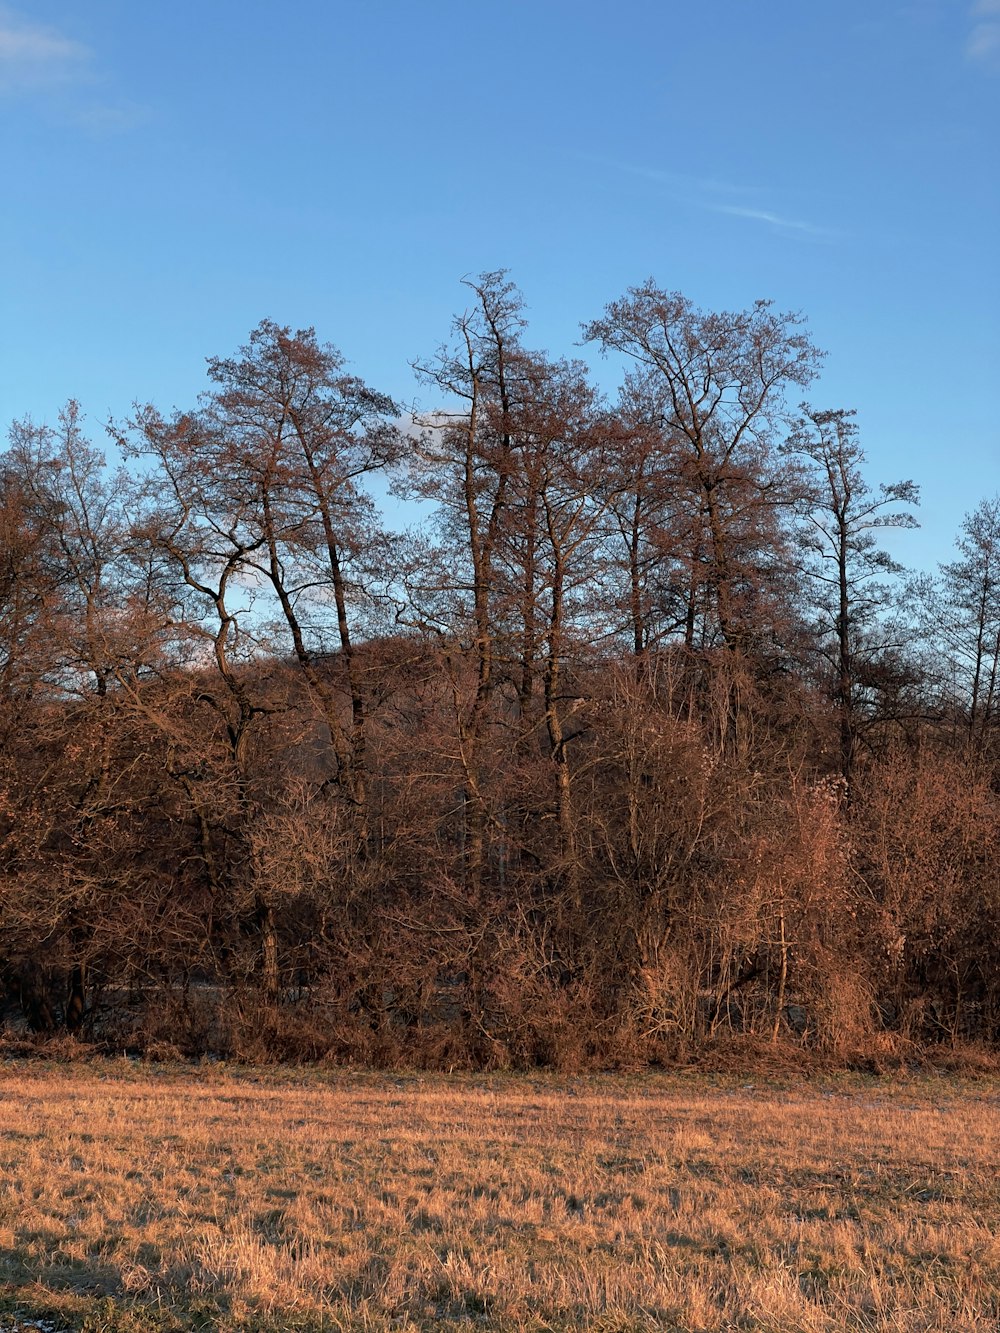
102	119
776	220
982	46
675	179
34	56
60	76
747	202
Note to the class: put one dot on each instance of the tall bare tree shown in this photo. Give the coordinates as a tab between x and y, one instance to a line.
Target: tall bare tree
720	381
464	465
970	618
846	567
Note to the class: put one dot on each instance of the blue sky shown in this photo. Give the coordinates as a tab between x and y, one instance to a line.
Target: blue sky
175	172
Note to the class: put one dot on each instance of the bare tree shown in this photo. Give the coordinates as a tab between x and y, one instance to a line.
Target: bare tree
464	465
720	381
104	633
967	619
287	428
845	564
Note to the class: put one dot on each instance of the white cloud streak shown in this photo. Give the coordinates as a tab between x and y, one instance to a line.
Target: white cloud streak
676	180
983	45
774	220
719	196
33	56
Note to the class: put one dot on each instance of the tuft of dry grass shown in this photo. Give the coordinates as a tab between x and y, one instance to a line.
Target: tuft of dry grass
137	1198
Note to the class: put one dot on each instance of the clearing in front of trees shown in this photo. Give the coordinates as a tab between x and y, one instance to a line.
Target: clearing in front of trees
136	1198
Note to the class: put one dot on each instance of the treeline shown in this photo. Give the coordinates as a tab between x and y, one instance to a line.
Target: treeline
641	739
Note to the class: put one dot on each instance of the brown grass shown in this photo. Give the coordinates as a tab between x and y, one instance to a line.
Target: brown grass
170	1198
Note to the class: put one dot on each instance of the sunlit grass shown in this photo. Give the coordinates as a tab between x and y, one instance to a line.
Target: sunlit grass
223	1200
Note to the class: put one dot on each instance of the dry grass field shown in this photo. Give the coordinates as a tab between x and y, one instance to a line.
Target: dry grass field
159	1198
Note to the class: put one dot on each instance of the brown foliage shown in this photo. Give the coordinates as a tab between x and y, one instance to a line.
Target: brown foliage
561	780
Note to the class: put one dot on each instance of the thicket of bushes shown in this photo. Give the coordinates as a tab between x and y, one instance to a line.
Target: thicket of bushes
643	740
